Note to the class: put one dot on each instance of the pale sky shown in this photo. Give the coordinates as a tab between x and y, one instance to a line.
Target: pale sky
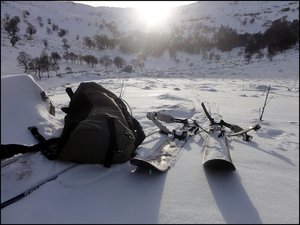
135	4
153	13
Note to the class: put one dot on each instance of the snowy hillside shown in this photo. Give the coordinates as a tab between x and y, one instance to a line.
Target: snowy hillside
264	188
186	24
244	16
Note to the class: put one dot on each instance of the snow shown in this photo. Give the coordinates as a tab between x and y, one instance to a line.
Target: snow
263	189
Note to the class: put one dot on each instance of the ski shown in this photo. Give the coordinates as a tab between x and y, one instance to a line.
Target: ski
5	162
34	131
34	187
161	158
216	154
162	155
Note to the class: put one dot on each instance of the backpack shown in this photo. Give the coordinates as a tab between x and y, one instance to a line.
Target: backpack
97	129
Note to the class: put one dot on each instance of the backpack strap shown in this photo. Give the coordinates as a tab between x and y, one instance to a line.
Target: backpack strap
34	131
69	92
112	145
50	148
10	150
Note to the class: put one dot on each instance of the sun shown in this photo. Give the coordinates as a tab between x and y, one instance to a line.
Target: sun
152	13
153	16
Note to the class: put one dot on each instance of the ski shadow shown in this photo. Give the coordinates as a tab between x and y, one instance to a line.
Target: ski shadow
122	196
271	152
144	197
231	197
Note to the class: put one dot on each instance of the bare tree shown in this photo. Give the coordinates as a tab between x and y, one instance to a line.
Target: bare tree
106	61
14	40
54	67
35	66
11	25
45	62
119	62
55	57
65	45
31	29
24	60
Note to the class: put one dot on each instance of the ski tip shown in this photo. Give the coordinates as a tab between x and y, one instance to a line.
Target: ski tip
146	166
144	170
219	164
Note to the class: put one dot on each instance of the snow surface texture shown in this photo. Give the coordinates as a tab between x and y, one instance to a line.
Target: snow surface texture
263	189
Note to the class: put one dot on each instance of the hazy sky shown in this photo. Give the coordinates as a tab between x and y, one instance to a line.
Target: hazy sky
135	4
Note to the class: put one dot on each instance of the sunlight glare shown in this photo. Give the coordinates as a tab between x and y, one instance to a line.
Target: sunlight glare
154	15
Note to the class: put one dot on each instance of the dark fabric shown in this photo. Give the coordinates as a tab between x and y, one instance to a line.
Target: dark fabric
78	110
112	143
139	133
99	128
10	150
34	131
69	92
49	148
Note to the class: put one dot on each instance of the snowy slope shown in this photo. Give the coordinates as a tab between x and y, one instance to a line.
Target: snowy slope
78	19
238	14
263	189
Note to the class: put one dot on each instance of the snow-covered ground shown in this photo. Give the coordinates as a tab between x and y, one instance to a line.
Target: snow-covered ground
263	189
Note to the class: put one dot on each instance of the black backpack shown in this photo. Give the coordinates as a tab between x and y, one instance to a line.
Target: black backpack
97	129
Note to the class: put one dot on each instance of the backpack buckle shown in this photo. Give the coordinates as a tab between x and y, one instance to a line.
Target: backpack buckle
129	134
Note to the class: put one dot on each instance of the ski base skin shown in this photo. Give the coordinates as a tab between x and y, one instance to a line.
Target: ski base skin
216	154
161	159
